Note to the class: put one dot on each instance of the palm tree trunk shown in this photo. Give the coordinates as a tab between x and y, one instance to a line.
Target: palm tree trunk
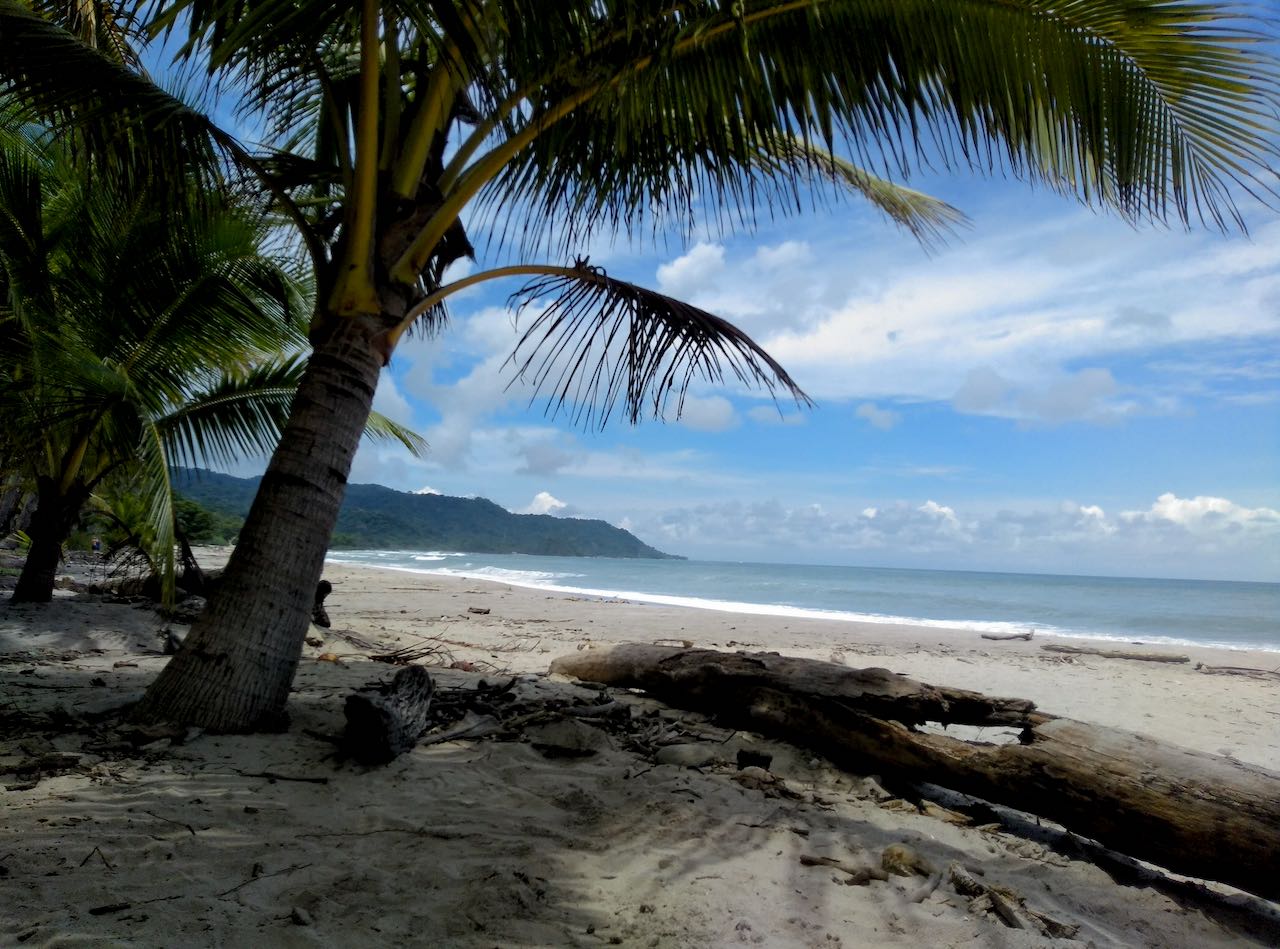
234	671
51	524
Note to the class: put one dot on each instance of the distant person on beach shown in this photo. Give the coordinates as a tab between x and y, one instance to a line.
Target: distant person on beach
97	547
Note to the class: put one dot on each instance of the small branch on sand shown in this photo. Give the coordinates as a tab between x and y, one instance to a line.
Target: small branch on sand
121	907
107	863
272	776
167	820
1248	671
858	876
1117	653
1004	636
262	876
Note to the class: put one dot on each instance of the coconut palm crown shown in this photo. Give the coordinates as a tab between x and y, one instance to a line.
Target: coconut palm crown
400	130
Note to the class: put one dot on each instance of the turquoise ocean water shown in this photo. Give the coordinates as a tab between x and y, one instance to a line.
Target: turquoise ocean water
1200	612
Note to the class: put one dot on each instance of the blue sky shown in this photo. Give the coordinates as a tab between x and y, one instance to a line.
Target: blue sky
1051	391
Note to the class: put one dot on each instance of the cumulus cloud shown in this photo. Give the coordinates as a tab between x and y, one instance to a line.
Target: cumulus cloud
1007	321
883	419
544	503
690	273
426	489
1203	513
1174	537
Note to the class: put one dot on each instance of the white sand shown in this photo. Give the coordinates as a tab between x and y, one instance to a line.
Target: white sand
492	844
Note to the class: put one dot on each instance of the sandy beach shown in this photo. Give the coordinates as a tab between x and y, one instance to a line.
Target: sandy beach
206	840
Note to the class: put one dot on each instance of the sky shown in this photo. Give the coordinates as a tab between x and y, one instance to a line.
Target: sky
1051	391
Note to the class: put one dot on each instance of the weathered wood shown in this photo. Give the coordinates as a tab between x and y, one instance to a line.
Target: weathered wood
1247	671
386	721
1116	653
1193	813
1006	636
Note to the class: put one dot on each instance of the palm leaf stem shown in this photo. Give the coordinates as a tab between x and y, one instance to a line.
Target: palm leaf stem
354	291
392	93
427	122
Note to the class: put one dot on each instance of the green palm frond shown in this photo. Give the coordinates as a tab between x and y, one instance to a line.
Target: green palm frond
129	127
599	343
1158	109
927	218
239	414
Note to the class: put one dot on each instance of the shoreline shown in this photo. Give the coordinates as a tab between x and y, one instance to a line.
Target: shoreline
525	628
786	612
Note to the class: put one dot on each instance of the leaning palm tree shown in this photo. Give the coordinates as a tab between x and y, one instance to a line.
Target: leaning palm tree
116	319
397	131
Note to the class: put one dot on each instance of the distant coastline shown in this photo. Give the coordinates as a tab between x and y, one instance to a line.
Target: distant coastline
377	517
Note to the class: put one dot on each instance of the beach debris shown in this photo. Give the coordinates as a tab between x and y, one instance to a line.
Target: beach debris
1248	671
1006	904
315	642
478	610
901	860
1116	653
568	738
329	657
300	917
687	755
758	779
384	721
472	726
1001	637
856	875
746	758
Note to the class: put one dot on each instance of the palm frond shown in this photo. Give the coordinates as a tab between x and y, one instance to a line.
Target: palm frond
600	342
239	414
125	124
1160	109
928	219
381	428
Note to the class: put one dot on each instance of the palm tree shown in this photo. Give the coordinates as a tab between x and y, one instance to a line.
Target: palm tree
116	318
391	122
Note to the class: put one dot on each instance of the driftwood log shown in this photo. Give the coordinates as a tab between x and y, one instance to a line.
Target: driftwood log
1117	653
386	721
1247	671
1005	636
1193	813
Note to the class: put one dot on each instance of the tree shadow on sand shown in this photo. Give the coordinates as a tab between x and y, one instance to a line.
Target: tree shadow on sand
222	839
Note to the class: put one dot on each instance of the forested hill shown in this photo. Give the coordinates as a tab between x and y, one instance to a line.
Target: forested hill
377	518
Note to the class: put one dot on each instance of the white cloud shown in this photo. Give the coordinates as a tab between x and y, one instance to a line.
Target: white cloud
712	413
1023	322
883	419
1203	514
686	275
1201	536
544	503
426	489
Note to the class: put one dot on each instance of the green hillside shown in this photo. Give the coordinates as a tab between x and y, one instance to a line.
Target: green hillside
376	517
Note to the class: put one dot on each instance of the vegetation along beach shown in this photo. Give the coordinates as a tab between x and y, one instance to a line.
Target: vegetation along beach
480	473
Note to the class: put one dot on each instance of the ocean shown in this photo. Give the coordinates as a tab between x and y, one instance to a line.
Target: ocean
1189	612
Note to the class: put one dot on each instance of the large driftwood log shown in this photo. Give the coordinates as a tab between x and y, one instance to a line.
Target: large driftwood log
1197	814
1117	653
386	721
